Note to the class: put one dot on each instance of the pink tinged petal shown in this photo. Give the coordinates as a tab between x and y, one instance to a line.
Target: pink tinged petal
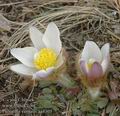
96	71
43	73
91	51
83	67
51	38
36	37
106	57
24	55
23	70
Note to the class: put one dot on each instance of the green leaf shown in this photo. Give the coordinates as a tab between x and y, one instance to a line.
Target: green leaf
66	81
93	114
102	102
44	84
110	108
46	91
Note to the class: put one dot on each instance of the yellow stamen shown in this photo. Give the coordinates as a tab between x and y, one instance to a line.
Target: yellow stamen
45	58
90	63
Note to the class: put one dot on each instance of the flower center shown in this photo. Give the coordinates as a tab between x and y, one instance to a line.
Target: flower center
90	63
45	58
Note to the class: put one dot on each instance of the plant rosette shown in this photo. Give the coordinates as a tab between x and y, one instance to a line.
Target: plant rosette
45	60
93	65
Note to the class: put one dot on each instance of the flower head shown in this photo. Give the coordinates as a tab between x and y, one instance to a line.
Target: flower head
94	62
42	59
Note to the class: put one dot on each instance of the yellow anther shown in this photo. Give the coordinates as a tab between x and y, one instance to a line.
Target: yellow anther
90	63
45	58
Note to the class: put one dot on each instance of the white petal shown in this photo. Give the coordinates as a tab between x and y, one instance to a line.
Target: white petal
105	65
105	50
91	50
106	57
36	37
24	55
43	73
23	70
60	60
51	38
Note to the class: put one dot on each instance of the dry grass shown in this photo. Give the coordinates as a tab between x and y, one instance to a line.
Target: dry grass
78	20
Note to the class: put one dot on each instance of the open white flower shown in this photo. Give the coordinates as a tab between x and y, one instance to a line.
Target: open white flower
42	59
94	62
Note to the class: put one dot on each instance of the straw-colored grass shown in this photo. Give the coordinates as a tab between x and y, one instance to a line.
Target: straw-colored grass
78	21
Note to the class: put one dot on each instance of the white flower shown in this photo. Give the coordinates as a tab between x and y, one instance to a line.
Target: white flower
94	62
42	59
